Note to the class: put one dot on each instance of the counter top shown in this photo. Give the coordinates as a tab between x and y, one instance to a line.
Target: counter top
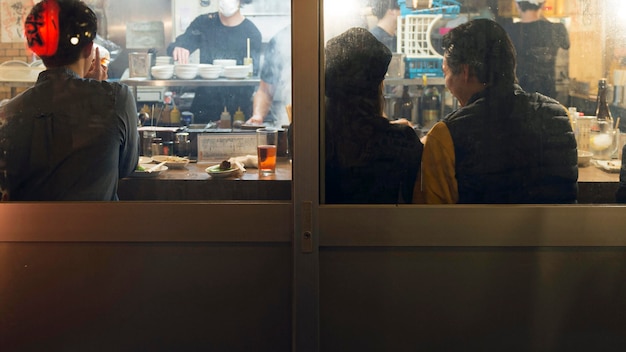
194	183
593	174
596	186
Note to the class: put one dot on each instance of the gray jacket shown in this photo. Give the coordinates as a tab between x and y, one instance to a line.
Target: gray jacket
67	138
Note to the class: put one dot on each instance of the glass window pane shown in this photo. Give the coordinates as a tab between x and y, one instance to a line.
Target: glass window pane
563	49
196	114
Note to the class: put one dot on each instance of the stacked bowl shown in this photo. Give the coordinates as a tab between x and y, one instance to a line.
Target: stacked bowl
186	71
162	71
208	71
163	60
236	72
223	63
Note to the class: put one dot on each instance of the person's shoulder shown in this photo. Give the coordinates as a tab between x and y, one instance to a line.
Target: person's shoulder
402	132
113	89
207	18
376	31
250	26
542	103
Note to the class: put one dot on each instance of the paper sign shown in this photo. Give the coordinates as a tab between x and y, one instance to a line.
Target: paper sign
225	145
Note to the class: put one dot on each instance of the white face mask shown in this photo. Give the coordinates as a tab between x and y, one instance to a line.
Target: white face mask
228	7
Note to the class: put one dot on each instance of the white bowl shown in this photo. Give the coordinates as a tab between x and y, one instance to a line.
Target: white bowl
173	162
224	62
164	60
162	75
237	72
187	71
208	71
210	74
162	68
162	72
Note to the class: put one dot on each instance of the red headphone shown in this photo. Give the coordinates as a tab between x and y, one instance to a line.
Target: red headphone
41	29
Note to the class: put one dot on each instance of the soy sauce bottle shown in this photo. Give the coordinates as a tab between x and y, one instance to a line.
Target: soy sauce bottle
603	113
404	107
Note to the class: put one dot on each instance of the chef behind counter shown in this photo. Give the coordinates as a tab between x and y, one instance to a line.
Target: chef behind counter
220	35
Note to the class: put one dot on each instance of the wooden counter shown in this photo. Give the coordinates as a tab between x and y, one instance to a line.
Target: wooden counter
596	186
193	183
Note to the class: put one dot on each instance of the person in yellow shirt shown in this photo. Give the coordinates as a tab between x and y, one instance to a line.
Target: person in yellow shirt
503	145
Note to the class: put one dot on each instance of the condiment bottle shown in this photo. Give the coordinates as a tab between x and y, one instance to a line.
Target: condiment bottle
430	105
603	113
239	118
225	119
182	144
175	116
157	146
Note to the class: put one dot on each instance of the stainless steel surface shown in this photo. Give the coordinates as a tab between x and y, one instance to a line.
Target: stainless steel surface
120	13
221	82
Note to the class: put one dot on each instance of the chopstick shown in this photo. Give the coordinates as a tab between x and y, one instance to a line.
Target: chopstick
156	167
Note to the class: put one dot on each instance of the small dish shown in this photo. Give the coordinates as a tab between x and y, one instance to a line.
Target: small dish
144	173
145	160
174	162
216	172
608	165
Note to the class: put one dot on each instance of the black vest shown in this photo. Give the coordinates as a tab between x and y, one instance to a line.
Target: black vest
514	147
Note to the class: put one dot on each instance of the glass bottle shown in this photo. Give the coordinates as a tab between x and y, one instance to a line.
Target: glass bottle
182	145
406	104
430	107
603	113
225	119
602	138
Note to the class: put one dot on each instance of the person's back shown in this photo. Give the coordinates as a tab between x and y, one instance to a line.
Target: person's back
513	148
379	168
368	159
502	145
537	42
68	137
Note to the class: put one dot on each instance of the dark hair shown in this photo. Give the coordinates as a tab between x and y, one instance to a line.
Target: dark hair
380	7
525	6
245	2
77	25
356	64
485	47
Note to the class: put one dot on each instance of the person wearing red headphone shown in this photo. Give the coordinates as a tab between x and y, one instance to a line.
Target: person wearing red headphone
72	135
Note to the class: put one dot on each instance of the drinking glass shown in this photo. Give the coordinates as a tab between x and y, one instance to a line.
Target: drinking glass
267	139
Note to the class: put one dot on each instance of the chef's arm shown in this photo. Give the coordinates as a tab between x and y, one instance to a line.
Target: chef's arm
261	103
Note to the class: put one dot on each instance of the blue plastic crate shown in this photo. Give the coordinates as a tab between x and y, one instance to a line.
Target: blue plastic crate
418	67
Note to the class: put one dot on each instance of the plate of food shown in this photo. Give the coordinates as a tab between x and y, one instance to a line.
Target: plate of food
608	165
223	169
174	162
148	170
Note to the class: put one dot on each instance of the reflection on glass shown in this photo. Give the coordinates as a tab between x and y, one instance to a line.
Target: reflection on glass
597	49
165	103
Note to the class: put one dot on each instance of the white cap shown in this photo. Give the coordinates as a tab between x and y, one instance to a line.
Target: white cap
534	2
